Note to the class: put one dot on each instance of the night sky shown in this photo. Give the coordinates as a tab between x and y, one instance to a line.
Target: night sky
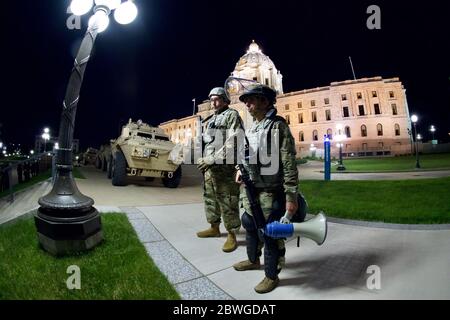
178	50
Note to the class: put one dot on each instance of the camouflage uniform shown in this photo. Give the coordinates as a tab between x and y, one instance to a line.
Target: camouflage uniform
221	192
273	190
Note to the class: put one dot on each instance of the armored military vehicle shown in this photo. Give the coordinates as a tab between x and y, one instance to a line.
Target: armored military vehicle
89	156
103	157
144	151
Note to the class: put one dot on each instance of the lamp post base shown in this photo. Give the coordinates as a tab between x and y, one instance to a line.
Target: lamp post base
67	236
340	167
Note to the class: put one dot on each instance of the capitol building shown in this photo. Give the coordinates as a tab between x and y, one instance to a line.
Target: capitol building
369	115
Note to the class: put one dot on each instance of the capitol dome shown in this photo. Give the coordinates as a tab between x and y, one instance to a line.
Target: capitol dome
255	65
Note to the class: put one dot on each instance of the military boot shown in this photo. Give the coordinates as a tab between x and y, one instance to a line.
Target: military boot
213	232
247	265
267	285
231	243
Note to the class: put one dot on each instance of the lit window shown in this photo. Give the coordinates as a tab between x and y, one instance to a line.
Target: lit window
363	131
315	135
397	129
380	129
394	109
347	132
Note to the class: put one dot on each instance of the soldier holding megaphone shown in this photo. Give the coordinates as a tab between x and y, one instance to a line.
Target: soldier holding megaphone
269	200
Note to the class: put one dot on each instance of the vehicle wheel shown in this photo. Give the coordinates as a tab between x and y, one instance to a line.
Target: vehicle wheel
174	181
109	165
104	165
119	170
98	163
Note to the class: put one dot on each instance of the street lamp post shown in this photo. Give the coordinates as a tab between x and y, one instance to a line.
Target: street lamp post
414	120
46	137
339	138
66	221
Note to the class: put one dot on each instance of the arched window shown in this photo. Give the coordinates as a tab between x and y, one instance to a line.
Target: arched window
363	131
380	129
397	129
315	135
347	132
301	136
330	134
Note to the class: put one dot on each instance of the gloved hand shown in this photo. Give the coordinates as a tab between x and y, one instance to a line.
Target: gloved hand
286	219
205	163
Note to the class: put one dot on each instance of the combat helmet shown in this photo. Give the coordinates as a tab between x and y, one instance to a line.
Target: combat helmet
259	90
219	91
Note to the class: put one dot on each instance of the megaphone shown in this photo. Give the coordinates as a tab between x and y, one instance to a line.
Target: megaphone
314	229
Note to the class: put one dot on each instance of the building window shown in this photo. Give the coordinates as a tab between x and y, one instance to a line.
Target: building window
288	119
361	110
397	129
286	107
301	136
313	103
255	79
391	94
328	115
300	118
380	145
347	132
359	95
380	129
345	110
327	101
374	94
344	97
363	131
314	116
267	82
377	108
299	104
394	109
315	135
364	146
330	134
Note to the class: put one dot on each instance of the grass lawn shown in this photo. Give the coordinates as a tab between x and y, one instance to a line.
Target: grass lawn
117	269
403	201
404	163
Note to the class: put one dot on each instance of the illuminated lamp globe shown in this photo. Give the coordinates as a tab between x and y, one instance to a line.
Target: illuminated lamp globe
126	13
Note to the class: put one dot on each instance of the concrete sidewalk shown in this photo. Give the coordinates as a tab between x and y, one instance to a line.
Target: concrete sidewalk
413	264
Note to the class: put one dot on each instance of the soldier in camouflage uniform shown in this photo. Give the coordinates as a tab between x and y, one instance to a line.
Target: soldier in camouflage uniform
221	192
276	191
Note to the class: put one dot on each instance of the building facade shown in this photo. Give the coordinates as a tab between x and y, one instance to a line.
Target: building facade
370	115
